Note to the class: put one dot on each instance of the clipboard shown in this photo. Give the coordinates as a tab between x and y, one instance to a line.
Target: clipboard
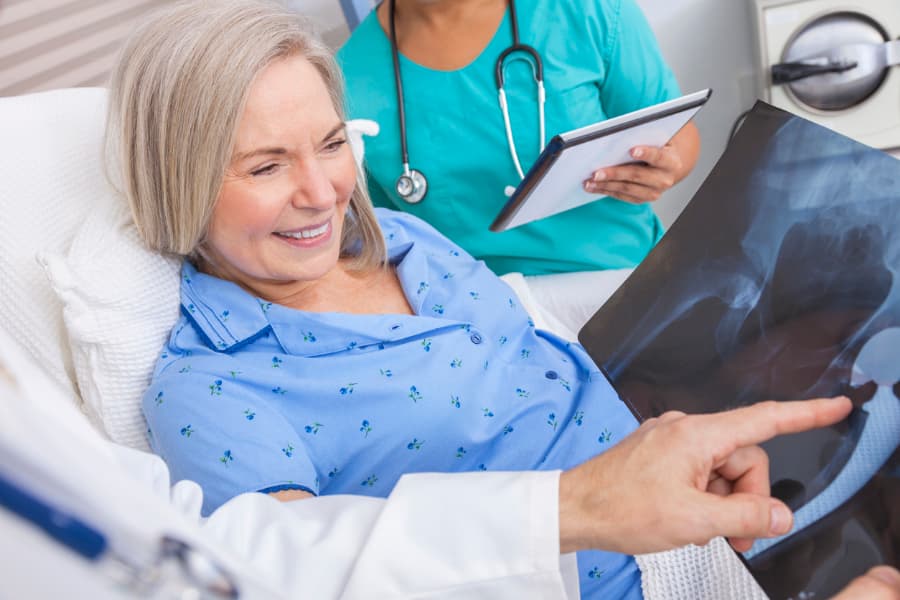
554	182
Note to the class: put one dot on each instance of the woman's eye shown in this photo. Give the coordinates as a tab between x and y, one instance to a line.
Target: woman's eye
266	170
335	145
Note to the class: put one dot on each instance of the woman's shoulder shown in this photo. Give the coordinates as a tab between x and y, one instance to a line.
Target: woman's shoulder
401	228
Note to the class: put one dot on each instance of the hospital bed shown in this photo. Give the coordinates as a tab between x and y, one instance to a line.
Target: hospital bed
84	309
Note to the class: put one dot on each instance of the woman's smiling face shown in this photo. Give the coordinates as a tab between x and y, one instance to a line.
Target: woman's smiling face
278	220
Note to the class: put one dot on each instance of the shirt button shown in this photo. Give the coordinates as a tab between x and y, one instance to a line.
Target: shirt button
476	339
551	375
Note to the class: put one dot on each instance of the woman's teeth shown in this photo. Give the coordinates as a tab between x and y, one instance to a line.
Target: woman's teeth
306	233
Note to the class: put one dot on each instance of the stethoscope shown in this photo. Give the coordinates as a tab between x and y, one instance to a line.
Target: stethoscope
412	185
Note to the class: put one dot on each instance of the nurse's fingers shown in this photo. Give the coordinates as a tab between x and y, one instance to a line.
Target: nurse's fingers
646	175
666	158
629	192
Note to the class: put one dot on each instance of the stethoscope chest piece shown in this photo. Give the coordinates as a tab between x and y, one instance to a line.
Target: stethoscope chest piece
412	186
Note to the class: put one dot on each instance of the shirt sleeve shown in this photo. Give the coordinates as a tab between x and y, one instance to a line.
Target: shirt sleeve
212	430
637	76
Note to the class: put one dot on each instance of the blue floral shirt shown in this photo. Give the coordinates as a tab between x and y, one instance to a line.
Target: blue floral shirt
253	396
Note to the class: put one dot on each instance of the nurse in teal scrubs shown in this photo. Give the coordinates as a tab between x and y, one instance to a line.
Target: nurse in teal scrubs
600	59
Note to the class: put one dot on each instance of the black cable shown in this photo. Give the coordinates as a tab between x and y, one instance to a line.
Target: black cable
401	112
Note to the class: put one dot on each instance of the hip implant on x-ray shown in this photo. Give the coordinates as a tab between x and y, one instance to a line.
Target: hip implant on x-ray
874	439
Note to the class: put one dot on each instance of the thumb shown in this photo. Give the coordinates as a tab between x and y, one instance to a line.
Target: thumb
746	516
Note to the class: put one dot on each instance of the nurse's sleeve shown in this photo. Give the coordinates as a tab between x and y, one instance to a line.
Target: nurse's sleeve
636	75
219	433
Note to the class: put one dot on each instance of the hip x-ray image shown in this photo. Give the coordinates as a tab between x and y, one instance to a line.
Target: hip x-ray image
779	281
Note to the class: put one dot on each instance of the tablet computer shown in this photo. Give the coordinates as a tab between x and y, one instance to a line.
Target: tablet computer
554	182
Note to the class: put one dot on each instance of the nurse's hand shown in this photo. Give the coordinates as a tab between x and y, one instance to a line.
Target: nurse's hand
656	170
683	479
880	583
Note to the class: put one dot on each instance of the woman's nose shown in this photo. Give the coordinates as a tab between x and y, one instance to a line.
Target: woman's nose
313	187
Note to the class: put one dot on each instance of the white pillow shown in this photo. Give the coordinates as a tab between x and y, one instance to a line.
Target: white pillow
120	303
52	178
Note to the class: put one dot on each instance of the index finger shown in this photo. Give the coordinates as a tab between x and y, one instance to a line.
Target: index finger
758	423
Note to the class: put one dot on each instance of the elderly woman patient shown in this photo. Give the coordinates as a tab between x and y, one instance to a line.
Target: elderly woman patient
325	347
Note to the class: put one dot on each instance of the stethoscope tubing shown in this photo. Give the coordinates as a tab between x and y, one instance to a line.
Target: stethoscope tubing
412	185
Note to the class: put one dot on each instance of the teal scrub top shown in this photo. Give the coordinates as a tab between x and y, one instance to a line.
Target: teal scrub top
600	60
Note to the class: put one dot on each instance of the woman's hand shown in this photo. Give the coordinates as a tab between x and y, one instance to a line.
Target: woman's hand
683	479
658	169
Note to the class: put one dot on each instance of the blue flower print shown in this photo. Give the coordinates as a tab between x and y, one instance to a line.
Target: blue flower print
455	363
366	427
221	344
215	388
279	390
422	287
164	355
438	309
454	253
352	345
525	353
595	573
414	394
249	414
187	430
390	236
333	473
566	385
347	389
487	412
314	428
530	322
288	450
234	374
447	276
426	344
503	339
481	467
265	306
185	369
370	481
386	372
460	452
225	315
522	393
605	436
511	303
191	308
454	401
474	295
186	277
158	399
226	458
416	444
508	429
551	421
276	362
578	417
467	327
308	336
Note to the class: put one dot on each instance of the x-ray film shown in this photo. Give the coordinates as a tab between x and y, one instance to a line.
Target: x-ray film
780	281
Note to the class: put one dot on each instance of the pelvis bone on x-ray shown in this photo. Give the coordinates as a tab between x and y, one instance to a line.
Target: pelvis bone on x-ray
781	281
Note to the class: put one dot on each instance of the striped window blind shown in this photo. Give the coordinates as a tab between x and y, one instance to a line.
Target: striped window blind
48	44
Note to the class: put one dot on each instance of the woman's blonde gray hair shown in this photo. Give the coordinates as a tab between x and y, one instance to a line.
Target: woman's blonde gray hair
176	98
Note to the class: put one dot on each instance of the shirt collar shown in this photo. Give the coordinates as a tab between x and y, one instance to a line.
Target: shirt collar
229	317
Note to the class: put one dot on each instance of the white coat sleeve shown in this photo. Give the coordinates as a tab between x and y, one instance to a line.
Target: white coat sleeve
462	535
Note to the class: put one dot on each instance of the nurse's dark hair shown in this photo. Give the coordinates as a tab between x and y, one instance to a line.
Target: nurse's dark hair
176	98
